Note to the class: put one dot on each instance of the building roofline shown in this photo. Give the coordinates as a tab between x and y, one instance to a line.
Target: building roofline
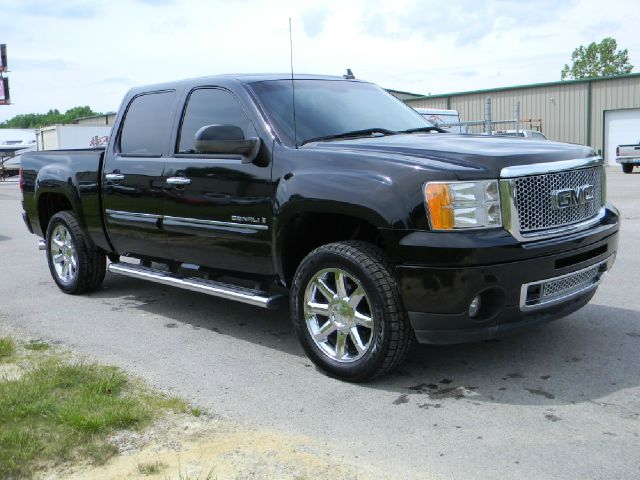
100	115
393	90
531	85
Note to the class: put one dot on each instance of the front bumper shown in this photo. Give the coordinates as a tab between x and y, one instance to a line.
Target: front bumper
438	298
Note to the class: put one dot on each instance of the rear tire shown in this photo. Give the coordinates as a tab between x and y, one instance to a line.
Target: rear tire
347	311
75	266
627	167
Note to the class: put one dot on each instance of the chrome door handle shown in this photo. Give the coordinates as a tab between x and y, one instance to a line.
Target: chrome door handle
178	181
114	176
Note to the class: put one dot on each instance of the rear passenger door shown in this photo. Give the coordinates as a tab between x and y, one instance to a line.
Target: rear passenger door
133	176
217	208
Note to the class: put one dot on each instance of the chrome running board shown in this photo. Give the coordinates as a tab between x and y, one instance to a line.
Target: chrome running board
209	287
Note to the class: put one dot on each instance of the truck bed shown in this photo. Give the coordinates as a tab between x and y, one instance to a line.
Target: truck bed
72	176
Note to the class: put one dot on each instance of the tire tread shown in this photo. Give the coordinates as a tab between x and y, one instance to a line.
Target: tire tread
92	262
373	261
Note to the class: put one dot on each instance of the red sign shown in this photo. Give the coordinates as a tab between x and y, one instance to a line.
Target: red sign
99	141
3	57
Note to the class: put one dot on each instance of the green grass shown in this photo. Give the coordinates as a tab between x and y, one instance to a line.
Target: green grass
7	348
36	346
151	468
58	412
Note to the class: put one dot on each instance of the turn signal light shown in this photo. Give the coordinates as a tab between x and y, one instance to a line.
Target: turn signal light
463	205
440	210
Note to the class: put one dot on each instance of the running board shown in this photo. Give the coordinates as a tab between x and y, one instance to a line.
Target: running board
209	287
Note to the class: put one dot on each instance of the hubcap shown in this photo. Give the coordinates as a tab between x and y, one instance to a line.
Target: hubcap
63	254
338	315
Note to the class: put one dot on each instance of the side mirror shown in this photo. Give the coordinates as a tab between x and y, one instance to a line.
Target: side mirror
227	139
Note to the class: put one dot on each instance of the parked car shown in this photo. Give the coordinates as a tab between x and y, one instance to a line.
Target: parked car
441	118
628	156
521	133
10	166
379	228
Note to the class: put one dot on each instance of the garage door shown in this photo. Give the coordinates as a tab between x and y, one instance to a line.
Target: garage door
621	127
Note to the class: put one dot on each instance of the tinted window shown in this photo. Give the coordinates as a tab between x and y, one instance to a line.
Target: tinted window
210	106
147	124
330	107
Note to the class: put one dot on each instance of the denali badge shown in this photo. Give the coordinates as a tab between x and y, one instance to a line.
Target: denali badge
243	219
570	197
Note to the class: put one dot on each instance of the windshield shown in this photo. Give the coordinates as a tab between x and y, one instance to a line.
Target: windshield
326	108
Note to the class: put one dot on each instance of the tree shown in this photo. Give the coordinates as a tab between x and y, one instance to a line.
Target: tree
52	117
597	60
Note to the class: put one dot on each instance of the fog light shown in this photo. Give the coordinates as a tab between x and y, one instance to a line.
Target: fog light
474	306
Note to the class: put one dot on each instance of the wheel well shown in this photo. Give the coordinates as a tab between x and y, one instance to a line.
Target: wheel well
308	231
48	205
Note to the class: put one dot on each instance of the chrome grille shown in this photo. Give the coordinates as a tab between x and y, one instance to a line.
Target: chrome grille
543	293
533	198
569	284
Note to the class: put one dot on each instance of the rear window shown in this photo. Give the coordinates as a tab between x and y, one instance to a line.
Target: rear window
147	124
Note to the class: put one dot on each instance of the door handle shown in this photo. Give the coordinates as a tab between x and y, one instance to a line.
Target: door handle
178	181
114	176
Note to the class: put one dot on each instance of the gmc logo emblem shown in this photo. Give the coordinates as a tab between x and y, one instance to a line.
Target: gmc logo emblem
570	197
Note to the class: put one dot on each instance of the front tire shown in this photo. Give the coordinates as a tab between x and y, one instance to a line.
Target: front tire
627	167
75	266
347	311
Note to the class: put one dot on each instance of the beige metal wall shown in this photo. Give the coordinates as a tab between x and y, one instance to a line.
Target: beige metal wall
562	107
98	120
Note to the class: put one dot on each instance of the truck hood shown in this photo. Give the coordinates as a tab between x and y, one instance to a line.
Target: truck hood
466	156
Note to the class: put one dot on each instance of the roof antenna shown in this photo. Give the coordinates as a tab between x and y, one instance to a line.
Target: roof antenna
293	89
349	75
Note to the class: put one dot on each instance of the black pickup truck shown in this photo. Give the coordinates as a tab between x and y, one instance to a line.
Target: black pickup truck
379	227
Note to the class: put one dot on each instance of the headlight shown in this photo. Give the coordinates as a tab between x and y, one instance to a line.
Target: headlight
458	205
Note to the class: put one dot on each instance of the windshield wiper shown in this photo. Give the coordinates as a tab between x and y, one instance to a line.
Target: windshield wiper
352	134
431	128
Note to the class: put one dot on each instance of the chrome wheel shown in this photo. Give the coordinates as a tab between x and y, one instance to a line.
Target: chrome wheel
338	315
63	253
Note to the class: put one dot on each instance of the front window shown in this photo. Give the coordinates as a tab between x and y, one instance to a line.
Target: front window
332	107
208	106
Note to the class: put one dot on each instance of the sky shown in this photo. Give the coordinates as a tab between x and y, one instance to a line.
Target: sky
67	53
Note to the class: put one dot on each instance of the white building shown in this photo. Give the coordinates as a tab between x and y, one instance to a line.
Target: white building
58	137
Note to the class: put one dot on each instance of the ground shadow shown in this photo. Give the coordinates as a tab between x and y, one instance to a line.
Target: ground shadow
581	358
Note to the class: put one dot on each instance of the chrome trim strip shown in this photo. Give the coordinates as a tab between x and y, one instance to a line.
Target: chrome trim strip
607	263
216	289
214	223
550	167
563	230
119	214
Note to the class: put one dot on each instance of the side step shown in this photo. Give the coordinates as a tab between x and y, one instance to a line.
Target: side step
209	287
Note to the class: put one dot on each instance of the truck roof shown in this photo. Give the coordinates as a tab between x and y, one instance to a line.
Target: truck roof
243	78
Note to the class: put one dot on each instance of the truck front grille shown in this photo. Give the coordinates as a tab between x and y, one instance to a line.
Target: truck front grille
534	199
554	290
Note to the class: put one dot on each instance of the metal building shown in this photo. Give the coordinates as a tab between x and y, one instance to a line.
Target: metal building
96	120
600	112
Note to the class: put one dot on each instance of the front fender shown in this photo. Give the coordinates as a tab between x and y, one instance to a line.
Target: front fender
371	197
